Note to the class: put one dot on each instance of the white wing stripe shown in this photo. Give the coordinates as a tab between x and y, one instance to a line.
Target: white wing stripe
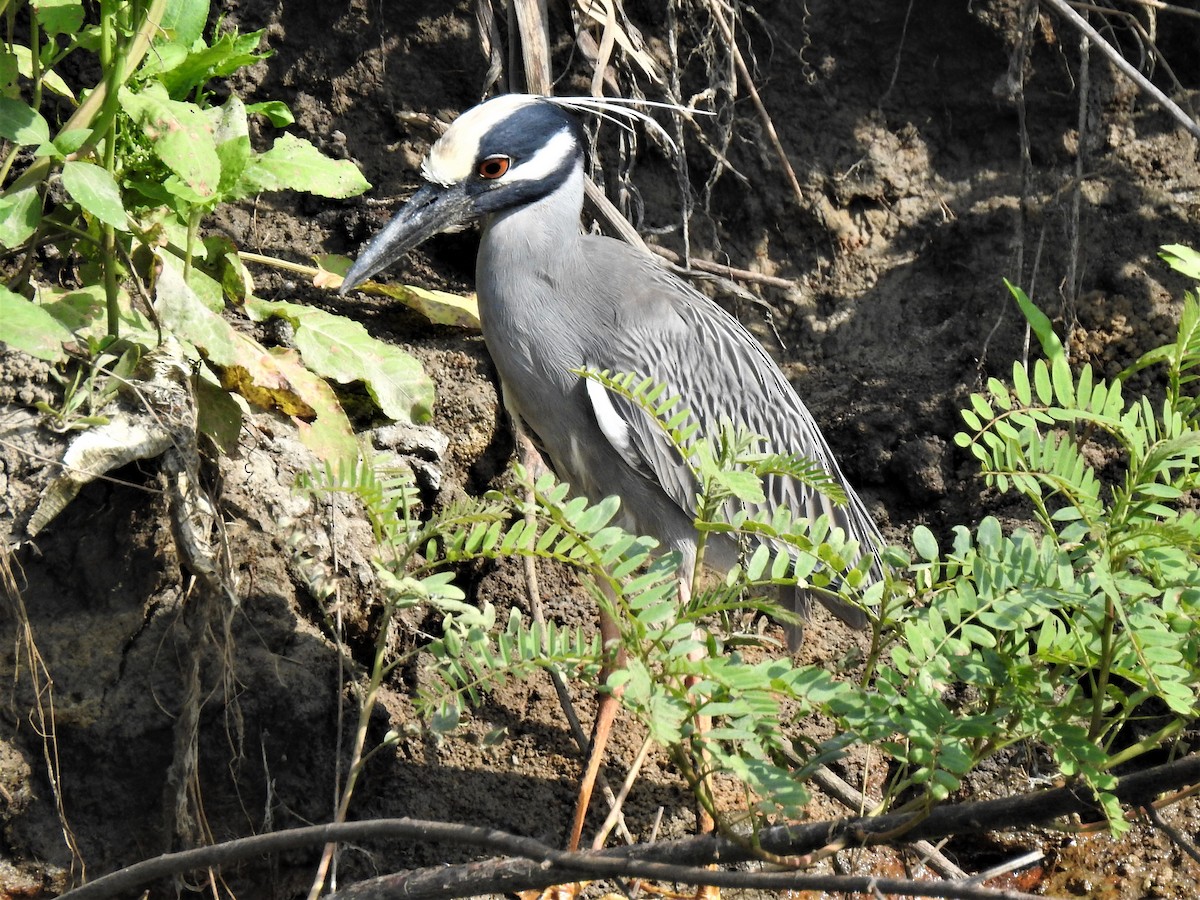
612	425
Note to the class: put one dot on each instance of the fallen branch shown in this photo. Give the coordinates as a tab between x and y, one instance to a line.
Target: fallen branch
532	864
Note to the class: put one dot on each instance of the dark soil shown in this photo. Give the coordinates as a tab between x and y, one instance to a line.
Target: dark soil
905	127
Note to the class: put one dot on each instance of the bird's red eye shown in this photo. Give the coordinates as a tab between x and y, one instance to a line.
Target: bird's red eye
493	167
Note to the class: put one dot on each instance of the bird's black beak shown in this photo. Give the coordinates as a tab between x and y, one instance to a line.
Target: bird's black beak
431	210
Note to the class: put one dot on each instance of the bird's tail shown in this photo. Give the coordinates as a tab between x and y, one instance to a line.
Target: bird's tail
799	601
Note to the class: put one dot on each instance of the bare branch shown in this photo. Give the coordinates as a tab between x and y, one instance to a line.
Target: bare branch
1063	8
532	864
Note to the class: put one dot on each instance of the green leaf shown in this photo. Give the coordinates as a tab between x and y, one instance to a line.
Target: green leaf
231	133
50	79
925	543
20	214
183	21
1021	384
202	63
343	350
1183	259
22	124
1051	346
295	164
59	16
27	327
182	137
94	189
276	112
745	486
1041	381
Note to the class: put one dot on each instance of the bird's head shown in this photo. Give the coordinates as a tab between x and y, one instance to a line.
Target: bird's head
509	151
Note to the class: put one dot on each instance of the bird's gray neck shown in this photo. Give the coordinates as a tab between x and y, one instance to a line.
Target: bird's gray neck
526	250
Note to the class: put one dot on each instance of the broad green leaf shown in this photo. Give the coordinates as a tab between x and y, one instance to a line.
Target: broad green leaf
228	53
181	134
232	137
925	543
20	214
295	164
27	327
1183	259
95	190
745	486
50	79
59	16
276	112
9	70
22	124
341	349
183	21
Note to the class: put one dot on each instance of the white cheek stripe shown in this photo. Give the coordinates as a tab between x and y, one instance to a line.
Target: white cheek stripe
451	160
549	159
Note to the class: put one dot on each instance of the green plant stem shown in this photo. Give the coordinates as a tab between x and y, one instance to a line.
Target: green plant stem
84	116
1104	667
195	214
107	130
1155	741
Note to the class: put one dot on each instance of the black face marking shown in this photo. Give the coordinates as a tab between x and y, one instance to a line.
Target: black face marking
521	134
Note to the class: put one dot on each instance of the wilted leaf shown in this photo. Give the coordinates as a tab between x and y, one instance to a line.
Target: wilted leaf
219	415
327	432
246	366
439	307
95	452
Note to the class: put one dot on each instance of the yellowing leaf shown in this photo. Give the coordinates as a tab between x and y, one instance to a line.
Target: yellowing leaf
246	366
341	349
326	432
439	307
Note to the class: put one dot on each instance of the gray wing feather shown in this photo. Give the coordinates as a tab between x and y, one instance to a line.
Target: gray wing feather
680	338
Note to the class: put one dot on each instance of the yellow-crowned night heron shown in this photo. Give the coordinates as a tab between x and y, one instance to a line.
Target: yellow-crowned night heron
553	300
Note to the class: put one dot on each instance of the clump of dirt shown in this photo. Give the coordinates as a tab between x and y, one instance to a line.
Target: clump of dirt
934	157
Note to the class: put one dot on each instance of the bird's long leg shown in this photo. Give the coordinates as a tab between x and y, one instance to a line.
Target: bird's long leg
607	705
